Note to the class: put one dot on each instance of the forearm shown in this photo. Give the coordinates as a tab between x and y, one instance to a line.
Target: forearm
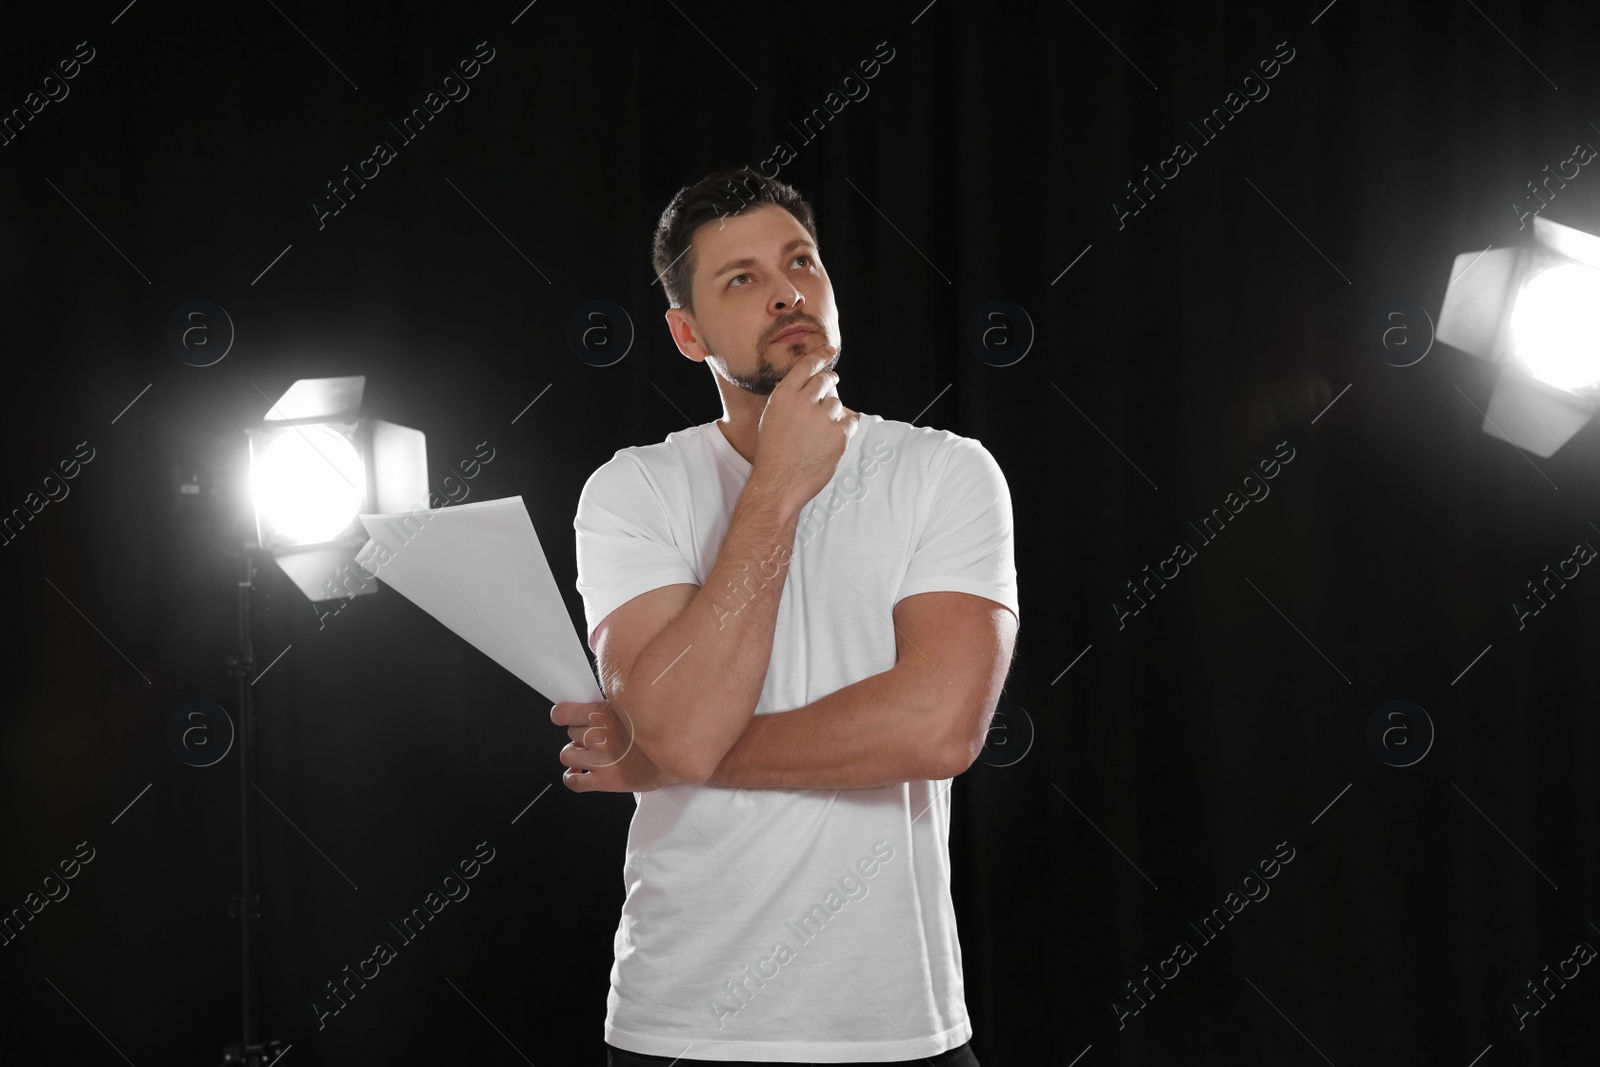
875	732
720	643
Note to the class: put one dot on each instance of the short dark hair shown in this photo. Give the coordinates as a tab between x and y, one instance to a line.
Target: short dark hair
717	195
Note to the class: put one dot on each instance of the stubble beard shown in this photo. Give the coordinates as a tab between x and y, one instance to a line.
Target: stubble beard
768	375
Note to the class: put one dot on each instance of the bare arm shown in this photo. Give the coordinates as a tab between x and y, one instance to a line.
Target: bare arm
713	641
912	722
871	733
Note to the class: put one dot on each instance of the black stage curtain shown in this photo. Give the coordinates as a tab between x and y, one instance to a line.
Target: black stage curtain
1263	295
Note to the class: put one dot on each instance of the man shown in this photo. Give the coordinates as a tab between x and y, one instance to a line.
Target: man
803	617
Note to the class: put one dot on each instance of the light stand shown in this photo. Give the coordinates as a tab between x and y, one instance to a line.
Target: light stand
386	469
251	1051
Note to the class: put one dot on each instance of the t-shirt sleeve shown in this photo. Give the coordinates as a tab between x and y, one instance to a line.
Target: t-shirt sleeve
624	539
965	546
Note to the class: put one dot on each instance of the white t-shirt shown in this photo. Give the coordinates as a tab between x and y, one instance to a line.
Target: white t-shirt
796	924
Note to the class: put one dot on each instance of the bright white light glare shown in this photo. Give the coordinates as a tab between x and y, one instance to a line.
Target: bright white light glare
1555	326
308	483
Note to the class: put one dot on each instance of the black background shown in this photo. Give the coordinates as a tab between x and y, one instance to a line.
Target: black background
1177	351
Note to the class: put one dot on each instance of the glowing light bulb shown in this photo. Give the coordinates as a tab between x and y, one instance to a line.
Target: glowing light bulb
309	483
1555	326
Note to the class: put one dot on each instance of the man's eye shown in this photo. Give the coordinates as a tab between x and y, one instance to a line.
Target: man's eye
808	259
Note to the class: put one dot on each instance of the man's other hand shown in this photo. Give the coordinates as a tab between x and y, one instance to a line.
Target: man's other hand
602	756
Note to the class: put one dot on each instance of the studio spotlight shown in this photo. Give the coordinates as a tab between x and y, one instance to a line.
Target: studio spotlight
315	464
1535	311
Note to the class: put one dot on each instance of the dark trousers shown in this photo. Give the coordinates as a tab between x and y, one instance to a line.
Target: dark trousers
960	1056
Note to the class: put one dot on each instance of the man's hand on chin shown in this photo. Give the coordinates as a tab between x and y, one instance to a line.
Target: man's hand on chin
602	757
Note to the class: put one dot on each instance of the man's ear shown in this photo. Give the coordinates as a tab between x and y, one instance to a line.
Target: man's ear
686	334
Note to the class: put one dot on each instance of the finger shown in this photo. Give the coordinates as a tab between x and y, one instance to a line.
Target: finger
581	778
824	383
593	739
807	369
590	757
570	712
575	757
573	776
578	712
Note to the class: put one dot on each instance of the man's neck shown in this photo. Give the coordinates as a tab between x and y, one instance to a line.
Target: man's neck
741	429
741	435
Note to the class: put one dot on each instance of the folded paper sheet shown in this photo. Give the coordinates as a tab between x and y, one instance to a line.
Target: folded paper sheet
479	569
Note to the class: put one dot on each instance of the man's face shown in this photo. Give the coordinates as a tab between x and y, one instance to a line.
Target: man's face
757	276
